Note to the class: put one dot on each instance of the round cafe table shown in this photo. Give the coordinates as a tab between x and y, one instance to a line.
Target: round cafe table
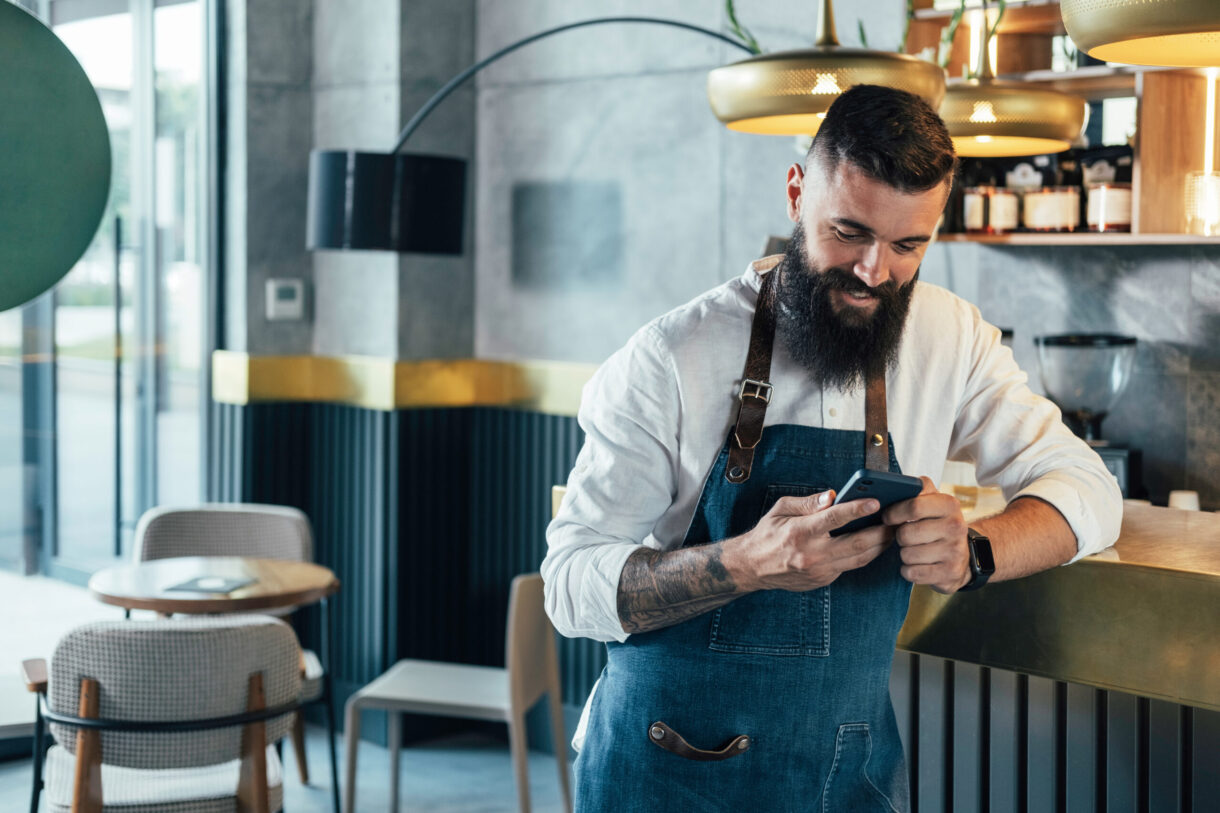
274	584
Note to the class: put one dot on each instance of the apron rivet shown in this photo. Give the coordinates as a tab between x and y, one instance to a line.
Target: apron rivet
878	440
736	472
743	744
657	732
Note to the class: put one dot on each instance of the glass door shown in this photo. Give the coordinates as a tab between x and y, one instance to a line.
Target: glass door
12	474
128	318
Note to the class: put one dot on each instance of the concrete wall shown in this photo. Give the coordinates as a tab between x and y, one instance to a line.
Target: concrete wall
270	103
376	63
340	74
608	193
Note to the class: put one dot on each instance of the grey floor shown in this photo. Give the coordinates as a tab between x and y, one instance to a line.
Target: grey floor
465	774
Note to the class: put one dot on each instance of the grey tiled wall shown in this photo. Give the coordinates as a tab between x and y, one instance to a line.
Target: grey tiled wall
1168	297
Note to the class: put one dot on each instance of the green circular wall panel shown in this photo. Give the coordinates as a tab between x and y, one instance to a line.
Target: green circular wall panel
54	158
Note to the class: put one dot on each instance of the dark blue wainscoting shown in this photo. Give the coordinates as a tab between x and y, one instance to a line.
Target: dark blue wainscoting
424	515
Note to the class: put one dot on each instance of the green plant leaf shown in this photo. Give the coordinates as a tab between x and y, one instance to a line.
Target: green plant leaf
740	30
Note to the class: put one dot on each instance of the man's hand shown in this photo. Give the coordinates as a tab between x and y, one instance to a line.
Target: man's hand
931	534
791	547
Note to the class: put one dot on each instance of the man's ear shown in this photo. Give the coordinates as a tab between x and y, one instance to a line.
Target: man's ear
796	178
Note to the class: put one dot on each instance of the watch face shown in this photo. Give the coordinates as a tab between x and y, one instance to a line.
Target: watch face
981	546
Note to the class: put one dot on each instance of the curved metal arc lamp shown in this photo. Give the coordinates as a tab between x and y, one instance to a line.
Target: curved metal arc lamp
402	202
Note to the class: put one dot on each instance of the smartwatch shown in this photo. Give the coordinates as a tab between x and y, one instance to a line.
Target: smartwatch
982	563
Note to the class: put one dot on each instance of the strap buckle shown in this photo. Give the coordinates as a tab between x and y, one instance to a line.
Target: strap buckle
755	389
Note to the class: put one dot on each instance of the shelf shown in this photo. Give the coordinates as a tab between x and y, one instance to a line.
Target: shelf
1028	17
1094	82
1080	239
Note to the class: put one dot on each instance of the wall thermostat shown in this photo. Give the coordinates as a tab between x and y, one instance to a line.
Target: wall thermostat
285	299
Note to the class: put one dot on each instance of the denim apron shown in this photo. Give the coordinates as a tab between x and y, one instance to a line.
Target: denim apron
782	696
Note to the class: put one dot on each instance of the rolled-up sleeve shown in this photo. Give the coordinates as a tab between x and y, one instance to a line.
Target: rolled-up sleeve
623	482
1018	440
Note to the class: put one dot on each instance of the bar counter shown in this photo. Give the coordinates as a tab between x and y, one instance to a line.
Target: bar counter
1142	617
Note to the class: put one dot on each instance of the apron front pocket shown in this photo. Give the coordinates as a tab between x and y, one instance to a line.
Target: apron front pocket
848	786
776	622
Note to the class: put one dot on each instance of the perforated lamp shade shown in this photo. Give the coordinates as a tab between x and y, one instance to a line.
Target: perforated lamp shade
1174	33
54	158
788	92
990	118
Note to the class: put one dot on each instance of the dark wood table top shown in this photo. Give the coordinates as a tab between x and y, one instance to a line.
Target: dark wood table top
276	584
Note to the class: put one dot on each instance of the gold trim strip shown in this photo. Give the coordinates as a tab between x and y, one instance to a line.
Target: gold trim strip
550	387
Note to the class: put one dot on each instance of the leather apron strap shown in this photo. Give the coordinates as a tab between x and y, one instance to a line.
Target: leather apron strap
876	430
755	393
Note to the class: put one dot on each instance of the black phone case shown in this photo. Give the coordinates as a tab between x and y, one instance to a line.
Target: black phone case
883	486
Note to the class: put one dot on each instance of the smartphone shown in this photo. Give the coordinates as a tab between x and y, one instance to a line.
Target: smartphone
883	486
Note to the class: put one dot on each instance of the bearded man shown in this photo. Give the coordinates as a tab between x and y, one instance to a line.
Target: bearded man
749	650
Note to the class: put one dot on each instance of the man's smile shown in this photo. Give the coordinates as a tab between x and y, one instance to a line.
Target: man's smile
856	299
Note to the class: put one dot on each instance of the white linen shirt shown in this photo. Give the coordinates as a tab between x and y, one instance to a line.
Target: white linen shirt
657	413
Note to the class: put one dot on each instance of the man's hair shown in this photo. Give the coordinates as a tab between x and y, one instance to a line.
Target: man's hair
889	134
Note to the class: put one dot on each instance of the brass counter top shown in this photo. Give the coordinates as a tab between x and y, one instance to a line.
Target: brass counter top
1142	617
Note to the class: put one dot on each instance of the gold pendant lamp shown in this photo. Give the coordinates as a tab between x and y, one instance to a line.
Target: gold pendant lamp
788	92
990	118
1174	33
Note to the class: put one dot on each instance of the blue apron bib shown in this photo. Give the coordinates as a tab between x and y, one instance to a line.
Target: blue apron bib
805	676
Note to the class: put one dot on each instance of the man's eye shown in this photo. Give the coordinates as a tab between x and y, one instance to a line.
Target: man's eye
848	237
904	248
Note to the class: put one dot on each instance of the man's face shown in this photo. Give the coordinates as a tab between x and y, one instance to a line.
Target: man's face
845	285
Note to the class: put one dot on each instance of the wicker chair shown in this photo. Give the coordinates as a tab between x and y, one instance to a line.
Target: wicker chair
165	716
245	529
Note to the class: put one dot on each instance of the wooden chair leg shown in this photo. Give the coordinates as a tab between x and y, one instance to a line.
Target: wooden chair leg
298	746
351	744
87	781
521	765
394	740
252	796
560	739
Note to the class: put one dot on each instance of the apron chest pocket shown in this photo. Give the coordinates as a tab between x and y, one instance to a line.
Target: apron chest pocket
775	622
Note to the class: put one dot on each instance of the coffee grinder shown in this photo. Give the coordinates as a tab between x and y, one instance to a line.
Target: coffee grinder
1085	374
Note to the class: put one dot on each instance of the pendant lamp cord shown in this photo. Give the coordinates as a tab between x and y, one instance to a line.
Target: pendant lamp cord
453	83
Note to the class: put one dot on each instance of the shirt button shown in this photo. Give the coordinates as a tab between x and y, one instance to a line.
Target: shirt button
833	412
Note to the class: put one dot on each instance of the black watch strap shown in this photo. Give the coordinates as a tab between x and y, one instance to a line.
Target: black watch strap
982	563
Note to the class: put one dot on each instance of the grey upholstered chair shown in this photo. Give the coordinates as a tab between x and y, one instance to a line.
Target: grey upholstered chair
185	709
243	529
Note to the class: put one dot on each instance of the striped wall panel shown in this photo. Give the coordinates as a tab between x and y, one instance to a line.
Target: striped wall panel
348	497
981	740
516	458
335	463
433	551
227	456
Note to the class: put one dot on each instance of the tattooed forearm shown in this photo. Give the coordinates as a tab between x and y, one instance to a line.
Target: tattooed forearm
658	589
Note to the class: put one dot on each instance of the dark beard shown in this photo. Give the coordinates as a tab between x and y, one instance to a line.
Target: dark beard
840	350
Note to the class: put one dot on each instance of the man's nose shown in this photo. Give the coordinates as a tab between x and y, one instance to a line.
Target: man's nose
873	266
